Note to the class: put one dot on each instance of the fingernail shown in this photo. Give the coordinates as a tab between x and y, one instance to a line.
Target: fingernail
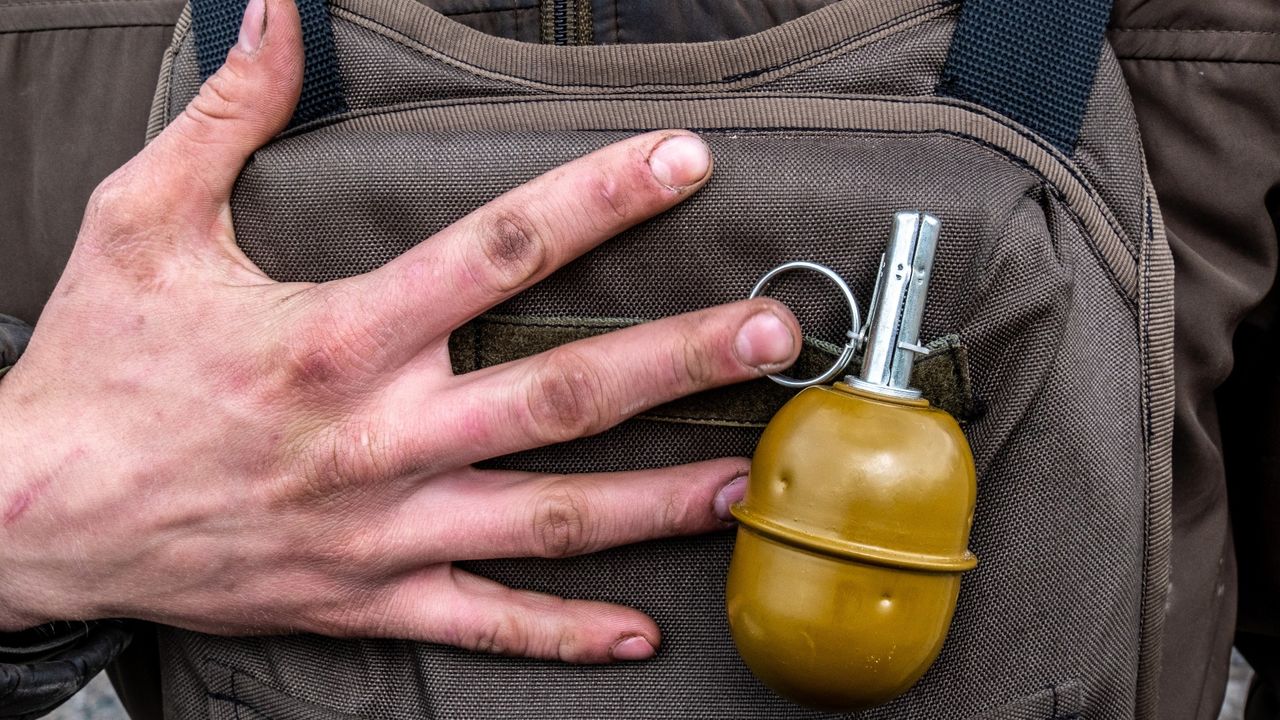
253	26
764	340
680	161
728	496
632	648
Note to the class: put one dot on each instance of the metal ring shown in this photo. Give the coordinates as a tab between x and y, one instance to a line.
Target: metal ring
846	356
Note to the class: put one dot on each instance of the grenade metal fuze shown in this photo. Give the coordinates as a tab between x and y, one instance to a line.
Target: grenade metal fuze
855	526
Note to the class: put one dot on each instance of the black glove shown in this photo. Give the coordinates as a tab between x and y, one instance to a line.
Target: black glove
41	668
14	335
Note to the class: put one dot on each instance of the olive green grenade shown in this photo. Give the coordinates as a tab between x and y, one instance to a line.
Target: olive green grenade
855	526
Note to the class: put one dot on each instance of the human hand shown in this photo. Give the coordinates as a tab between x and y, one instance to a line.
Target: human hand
203	447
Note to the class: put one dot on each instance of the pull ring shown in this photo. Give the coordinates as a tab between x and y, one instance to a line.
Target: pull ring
854	334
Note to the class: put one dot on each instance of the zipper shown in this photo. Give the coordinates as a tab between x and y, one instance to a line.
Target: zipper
566	22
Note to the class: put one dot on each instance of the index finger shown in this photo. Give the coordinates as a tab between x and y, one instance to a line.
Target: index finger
523	236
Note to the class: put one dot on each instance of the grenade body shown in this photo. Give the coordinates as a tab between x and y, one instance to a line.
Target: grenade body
851	541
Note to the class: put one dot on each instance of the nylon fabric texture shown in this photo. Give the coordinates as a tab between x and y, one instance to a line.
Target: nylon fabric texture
1051	272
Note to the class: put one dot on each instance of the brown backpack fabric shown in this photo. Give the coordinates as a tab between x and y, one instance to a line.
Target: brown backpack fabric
1052	287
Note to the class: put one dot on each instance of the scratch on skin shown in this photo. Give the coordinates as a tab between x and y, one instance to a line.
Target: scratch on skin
25	498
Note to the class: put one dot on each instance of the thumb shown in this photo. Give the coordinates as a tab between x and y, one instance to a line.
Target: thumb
240	107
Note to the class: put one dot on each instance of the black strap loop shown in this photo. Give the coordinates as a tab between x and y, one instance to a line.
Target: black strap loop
1031	60
216	24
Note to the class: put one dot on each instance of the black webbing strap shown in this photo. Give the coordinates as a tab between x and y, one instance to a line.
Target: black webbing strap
216	24
1031	60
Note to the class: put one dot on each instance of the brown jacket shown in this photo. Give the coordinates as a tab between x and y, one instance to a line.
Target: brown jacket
76	81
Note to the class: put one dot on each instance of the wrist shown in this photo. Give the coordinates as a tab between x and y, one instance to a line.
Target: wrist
17	611
42	575
17	477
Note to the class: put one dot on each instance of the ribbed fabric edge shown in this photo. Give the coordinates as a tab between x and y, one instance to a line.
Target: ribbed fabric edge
159	115
1157	274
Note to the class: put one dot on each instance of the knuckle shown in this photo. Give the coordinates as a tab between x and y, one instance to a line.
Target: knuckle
217	99
354	546
567	647
361	453
614	197
676	514
327	346
312	363
323	466
110	194
321	475
512	252
692	364
116	206
562	521
354	608
566	399
502	635
125	223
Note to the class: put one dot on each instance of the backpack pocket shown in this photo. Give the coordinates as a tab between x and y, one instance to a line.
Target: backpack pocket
1052	291
1033	281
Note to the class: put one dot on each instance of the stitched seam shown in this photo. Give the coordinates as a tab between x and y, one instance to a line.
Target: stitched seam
1145	589
834	50
176	45
235	699
235	693
1131	303
1196	60
32	3
1146	412
1193	31
487	11
706	420
562	326
87	27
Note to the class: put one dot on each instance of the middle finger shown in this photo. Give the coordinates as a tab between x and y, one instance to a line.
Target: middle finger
523	236
588	386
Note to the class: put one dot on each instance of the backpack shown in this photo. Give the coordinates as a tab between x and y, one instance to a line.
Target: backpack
1050	312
